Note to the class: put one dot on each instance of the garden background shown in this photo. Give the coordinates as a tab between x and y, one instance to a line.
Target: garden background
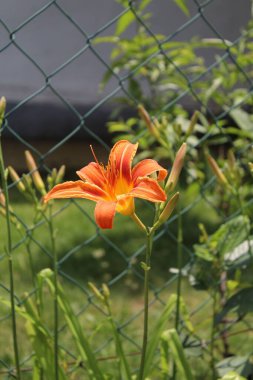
74	75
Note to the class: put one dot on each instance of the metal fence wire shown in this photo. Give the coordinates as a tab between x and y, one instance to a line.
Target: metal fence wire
96	248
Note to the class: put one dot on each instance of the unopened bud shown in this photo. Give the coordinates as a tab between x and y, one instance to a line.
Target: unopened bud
2	198
250	166
204	234
2	109
27	181
192	124
217	171
3	212
106	291
60	174
51	178
13	218
231	159
16	179
96	292
38	182
176	168
157	124
54	174
146	118
168	209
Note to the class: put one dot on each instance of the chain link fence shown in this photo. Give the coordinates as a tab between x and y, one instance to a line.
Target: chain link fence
114	256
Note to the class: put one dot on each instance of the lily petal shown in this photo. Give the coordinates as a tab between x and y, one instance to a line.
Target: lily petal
77	189
148	188
147	167
104	214
120	159
93	173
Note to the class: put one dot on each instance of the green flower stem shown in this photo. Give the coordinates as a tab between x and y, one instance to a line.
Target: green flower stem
179	280
52	235
179	265
9	254
212	345
146	267
29	252
49	220
119	348
138	222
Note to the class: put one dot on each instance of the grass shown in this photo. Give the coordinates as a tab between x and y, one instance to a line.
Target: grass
85	254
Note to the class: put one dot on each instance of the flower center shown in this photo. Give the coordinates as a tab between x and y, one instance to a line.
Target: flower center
122	187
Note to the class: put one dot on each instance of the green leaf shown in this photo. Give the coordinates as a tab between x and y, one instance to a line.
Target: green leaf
242	119
42	341
182	5
225	239
157	332
236	364
75	328
239	132
203	253
135	89
240	255
232	233
240	303
115	126
217	82
124	367
106	39
171	338
125	20
232	376
185	316
214	42
144	4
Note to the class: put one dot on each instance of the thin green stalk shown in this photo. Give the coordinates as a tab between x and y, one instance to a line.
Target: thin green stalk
55	281
29	252
119	348
179	265
146	268
31	263
9	254
179	280
213	331
139	223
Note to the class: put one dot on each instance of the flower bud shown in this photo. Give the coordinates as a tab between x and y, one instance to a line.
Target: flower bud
27	181
60	174
168	209
204	235
250	166
13	218
51	178
231	159
106	291
176	168
38	182
16	179
96	292
2	109
192	124
3	212
217	171
2	198
146	118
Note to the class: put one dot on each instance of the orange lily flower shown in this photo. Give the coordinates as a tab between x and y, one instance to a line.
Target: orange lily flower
114	187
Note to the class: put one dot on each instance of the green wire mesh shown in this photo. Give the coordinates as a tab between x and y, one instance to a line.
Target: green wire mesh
126	259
